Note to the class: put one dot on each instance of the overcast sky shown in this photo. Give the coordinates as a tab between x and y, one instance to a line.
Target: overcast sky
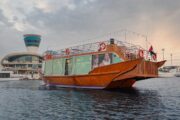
63	23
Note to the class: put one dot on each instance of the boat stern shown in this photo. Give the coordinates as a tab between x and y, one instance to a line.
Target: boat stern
144	70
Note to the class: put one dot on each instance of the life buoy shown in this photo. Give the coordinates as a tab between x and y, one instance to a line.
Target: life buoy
67	51
141	53
154	56
102	47
48	57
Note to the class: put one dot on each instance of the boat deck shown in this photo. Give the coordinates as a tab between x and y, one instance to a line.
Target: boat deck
94	47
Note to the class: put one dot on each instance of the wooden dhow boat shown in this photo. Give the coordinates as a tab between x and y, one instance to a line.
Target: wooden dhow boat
102	65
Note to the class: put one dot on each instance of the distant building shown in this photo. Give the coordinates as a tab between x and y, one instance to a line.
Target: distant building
27	63
0	65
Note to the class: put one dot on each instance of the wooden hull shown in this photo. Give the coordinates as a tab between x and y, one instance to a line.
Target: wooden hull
119	75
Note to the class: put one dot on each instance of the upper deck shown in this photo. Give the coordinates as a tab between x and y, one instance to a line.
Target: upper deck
124	47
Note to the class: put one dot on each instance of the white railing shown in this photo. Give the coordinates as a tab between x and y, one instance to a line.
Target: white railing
93	47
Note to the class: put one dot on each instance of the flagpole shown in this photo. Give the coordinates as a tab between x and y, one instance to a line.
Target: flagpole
171	58
146	44
163	53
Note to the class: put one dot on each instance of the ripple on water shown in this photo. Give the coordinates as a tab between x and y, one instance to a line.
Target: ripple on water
151	99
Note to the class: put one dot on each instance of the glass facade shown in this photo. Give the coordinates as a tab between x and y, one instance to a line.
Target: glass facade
23	64
24	58
4	75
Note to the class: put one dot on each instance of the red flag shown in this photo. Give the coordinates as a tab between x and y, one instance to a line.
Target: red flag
151	49
152	53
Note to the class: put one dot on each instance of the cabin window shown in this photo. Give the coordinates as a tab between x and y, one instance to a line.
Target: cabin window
95	61
116	58
48	67
55	67
101	60
58	66
82	64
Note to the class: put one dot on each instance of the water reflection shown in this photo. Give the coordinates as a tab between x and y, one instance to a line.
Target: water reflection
26	100
114	104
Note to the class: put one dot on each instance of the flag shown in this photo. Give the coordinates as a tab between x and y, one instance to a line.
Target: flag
152	53
151	49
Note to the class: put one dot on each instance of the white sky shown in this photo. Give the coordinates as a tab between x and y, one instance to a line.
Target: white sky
64	23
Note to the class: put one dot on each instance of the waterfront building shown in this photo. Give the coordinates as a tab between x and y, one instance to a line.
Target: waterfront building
28	63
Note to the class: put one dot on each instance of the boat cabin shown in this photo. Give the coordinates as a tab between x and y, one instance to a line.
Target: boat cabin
82	59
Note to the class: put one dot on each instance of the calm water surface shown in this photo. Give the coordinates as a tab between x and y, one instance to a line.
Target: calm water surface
150	99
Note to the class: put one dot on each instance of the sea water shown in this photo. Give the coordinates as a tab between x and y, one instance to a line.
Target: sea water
149	99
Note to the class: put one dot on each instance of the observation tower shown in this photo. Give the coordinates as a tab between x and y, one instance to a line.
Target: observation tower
32	42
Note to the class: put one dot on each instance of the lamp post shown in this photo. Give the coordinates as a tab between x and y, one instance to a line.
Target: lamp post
163	52
171	58
125	34
146	43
